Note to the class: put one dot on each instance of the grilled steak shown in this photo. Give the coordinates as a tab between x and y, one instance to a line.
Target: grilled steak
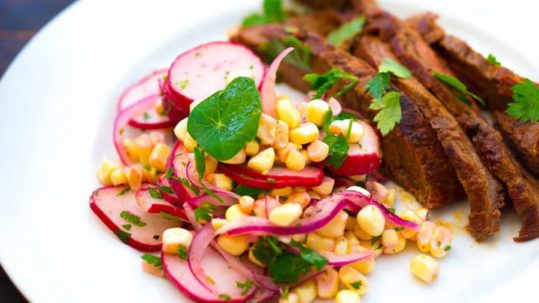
412	155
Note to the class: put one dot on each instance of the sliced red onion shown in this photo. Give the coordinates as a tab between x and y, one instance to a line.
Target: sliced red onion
227	199
335	106
200	243
268	95
341	260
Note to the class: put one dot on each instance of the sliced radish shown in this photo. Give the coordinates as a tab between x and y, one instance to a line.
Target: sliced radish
145	87
108	203
178	162
170	198
157	206
198	73
364	158
150	119
216	268
175	108
275	178
335	106
267	91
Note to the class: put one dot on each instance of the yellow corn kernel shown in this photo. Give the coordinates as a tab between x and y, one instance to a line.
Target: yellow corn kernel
262	162
440	243
287	112
259	208
360	190
393	242
358	178
325	188
157	137
151	269
252	148
375	246
286	214
305	156
360	233
131	150
371	220
424	235
347	296
217	223
246	204
344	126
304	134
149	173
221	181
316	242
253	259
267	129
390	198
366	265
145	148
295	160
302	199
299	237
410	215
211	165
104	171
234	212
238	158
335	227
306	292
174	238
281	135
423	213
318	151
350	237
189	143
234	245
353	279
425	268
341	246
327	284
133	175
291	298
159	156
117	177
316	111
181	129
282	153
314	195
281	192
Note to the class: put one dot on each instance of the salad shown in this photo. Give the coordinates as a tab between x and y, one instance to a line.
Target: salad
238	194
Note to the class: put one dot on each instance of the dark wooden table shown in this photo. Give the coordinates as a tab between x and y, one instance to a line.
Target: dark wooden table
19	21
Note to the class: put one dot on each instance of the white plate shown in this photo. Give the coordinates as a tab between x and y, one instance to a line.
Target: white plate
58	101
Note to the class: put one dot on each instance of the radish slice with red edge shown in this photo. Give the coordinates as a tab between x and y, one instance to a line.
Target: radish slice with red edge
150	119
276	177
200	72
153	205
268	96
178	161
108	203
164	189
145	87
362	159
175	108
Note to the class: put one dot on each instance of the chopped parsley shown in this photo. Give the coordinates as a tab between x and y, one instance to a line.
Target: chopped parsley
182	252
244	286
165	189
169	173
272	13
169	217
356	285
200	161
252	192
399	228
132	218
123	236
322	83
153	260
154	193
188	184
146	116
392	210
493	60
447	248
459	87
127	227
301	57
182	84
225	297
389	111
271	180
375	239
525	105
147	167
310	256
204	213
346	31
338	145
124	191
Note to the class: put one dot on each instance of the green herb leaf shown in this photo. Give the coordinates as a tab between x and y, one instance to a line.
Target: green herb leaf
153	260
223	123
273	11
492	60
389	111
169	173
346	31
310	256
393	67
182	252
322	83
356	285
154	193
146	116
346	115
200	161
127	227
266	250
378	85
399	228
169	217
165	189
447	248
253	19
188	184
288	268
244	286
132	218
301	57
375	239
123	236
124	191
243	190
338	150
456	84
326	122
225	297
525	107
204	213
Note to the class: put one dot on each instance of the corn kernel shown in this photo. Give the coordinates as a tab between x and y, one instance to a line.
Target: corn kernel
423	213
189	143
390	198
318	151
349	129
104	171
335	227
371	220
181	129
281	192
327	284
287	112
295	160
285	214
366	265
234	212
305	156
314	195
174	238
252	148
341	246
149	173
424	235
160	108
350	223
393	242
221	181
236	73
410	215
378	191
217	223
262	162
440	243
246	204
211	165
316	242
299	237
234	245
291	298
157	137
134	177
306	292
131	149
375	246
159	156
325	188
253	259
282	153
301	198
259	208
353	279
281	135
145	148
117	177
360	190
350	237
267	129
304	134
151	269
347	296
425	268
360	233
316	111
238	158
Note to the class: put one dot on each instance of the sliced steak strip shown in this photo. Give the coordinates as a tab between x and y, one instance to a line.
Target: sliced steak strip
412	155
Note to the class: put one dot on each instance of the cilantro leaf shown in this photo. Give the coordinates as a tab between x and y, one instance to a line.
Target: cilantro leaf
224	297
378	85
525	107
200	161
492	60
243	190
338	150
244	286
322	83
169	174
301	57
456	84
204	212
253	19
346	31
223	123
188	184
169	217
266	250
124	191
182	252
356	285
153	260
272	13
389	111
154	193
165	189
346	115
393	67
310	256
132	218
288	268
123	236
